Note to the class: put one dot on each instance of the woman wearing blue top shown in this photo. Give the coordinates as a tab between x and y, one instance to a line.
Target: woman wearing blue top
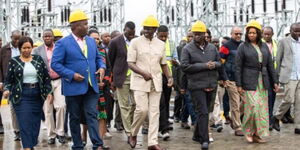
27	84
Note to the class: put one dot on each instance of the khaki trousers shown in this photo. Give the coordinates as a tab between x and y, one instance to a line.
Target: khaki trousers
59	104
291	96
215	116
127	105
147	103
14	121
234	102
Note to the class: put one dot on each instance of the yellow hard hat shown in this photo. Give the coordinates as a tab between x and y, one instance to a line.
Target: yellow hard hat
57	33
198	26
151	21
184	38
253	23
37	43
77	15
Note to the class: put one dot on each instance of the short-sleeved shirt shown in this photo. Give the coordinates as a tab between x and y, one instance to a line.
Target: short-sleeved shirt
148	55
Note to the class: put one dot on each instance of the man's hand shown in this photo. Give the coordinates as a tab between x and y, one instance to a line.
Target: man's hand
101	72
77	77
170	82
240	90
147	76
211	65
174	62
6	94
1	86
50	98
276	88
182	91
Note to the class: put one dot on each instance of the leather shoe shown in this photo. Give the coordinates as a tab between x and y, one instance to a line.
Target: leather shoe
132	141
204	146
290	119
238	133
297	131
155	147
275	124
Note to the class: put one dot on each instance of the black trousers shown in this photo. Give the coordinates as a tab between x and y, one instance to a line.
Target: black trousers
167	95
163	118
178	104
109	107
202	101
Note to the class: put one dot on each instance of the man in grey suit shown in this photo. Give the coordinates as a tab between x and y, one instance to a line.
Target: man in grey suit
289	75
55	129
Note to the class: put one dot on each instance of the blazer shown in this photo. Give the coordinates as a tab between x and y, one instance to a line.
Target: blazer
14	78
5	56
193	63
284	59
68	59
117	55
42	52
248	67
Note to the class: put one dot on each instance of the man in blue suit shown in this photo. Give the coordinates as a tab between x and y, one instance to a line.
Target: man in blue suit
77	61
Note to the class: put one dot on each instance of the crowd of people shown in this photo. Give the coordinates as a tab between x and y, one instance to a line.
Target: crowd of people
84	81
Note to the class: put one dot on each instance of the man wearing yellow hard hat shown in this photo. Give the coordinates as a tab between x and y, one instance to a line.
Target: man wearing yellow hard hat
77	61
57	34
146	57
200	63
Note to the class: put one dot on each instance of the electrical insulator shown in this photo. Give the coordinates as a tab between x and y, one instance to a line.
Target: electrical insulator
27	14
23	15
247	15
101	16
49	6
265	5
276	5
4	15
215	5
66	14
204	6
192	9
253	6
283	4
173	14
62	15
105	14
109	14
39	18
168	19
241	14
234	16
95	19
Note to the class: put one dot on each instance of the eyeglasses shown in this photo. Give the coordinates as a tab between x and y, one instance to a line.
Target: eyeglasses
238	34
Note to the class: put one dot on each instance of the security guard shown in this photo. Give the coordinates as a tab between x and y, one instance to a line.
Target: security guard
146	58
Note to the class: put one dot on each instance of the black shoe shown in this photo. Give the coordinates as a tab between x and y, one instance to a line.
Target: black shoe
169	128
119	127
1	129
270	128
219	128
51	141
83	143
297	131
185	125
204	146
144	131
284	120
290	119
17	136
275	125
61	139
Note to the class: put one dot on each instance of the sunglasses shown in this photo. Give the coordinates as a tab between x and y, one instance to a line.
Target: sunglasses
238	33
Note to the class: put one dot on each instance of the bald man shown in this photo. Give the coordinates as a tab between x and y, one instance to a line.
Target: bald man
227	54
8	51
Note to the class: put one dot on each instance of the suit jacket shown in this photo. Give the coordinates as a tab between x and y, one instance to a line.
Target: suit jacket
248	67
284	59
5	56
118	60
14	78
41	51
68	59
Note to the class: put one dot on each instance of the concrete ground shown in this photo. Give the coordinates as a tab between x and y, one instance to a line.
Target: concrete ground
180	139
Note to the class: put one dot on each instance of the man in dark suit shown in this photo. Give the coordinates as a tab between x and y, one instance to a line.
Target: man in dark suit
8	51
77	61
121	74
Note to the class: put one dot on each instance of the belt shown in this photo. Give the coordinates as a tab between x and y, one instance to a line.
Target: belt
55	78
30	85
